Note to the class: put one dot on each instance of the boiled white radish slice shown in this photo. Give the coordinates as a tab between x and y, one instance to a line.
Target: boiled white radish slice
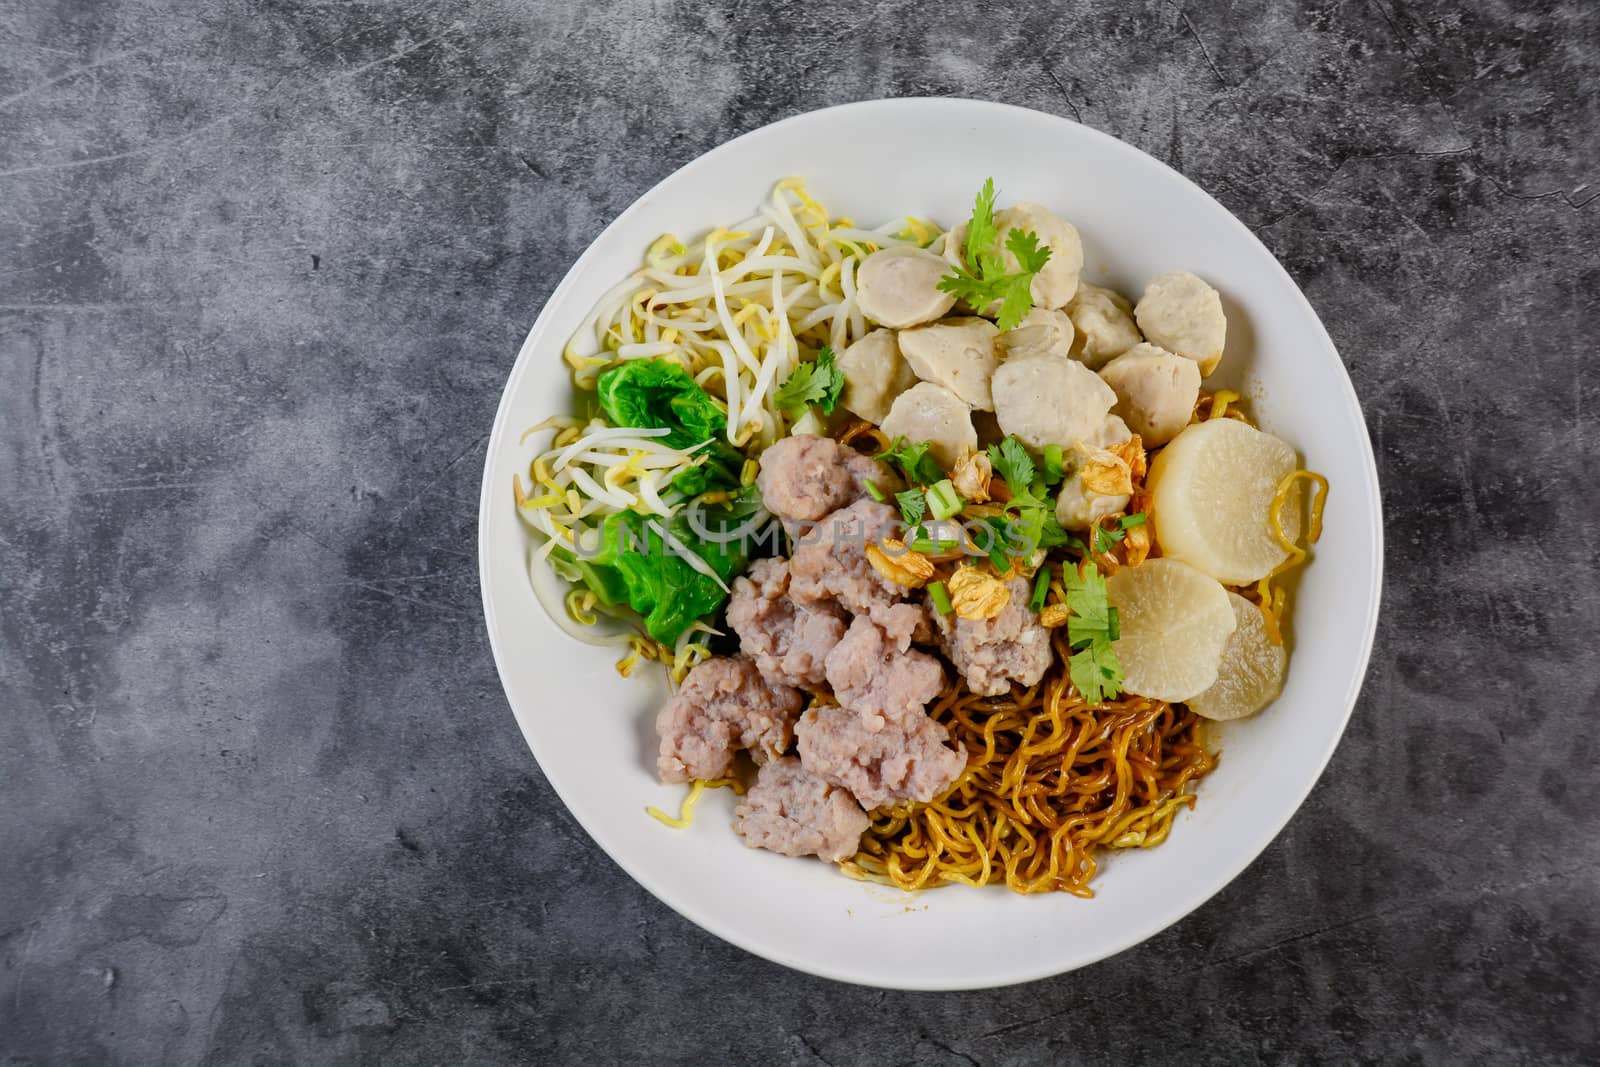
1174	623
1211	491
1250	674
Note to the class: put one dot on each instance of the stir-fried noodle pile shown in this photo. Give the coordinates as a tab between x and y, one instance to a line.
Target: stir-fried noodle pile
1049	780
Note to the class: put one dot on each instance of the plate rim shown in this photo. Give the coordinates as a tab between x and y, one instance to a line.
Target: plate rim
707	919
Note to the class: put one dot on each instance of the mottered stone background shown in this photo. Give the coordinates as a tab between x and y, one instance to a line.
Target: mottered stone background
263	269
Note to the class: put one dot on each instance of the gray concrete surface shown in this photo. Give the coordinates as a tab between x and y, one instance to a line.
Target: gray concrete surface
263	269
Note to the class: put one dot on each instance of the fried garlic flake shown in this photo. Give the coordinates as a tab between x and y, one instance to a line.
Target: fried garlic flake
976	594
910	569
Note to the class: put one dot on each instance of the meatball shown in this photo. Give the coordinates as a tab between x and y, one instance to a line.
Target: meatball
723	705
1041	332
1104	321
805	477
1049	401
899	287
792	811
1155	389
1183	314
958	354
874	374
1079	507
1057	283
932	413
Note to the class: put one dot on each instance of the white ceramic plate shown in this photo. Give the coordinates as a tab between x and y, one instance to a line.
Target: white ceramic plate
591	730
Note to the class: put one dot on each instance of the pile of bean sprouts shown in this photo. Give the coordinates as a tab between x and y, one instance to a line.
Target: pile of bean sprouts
738	309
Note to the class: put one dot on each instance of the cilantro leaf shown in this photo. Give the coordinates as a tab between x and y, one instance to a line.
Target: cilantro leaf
1091	629
1016	290
983	280
913	506
1105	540
913	459
1034	525
981	233
1029	498
1092	618
1096	672
1012	462
818	382
1035	512
1031	255
1051	533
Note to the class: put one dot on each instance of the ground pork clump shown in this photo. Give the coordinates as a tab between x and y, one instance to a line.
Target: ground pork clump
723	705
792	811
830	560
905	759
993	653
788	641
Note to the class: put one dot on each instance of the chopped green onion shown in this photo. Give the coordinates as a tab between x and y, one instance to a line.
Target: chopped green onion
874	492
998	529
1138	518
1055	464
1041	588
1113	623
943	500
940	598
927	545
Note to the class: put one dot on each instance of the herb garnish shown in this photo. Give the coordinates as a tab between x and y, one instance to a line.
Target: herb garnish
983	280
818	382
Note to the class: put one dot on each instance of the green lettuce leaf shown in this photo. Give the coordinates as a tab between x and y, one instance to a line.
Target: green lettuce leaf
658	394
661	586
